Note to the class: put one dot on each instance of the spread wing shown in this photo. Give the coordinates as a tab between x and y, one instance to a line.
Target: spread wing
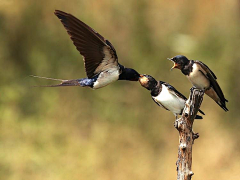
98	53
159	104
212	78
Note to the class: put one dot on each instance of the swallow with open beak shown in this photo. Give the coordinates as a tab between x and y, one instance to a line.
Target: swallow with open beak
201	77
99	56
165	95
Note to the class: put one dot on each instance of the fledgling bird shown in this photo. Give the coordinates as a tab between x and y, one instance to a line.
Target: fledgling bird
100	57
201	77
165	95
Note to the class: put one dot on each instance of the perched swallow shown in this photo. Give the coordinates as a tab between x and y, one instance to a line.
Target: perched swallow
165	95
201	77
100	57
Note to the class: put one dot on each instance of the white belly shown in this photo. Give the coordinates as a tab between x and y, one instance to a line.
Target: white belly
198	79
170	101
106	78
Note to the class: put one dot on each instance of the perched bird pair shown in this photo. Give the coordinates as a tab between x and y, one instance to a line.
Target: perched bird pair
199	75
102	68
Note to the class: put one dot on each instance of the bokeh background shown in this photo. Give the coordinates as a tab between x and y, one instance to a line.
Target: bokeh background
117	132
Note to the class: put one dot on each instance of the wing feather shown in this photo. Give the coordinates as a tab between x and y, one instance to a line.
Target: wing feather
92	46
174	91
178	94
206	68
159	104
213	80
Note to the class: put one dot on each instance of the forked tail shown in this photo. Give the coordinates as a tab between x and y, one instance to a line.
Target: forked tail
74	82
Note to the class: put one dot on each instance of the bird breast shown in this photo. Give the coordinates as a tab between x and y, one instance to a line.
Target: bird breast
197	78
170	101
106	77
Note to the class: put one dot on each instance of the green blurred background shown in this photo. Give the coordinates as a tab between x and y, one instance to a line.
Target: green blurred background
117	132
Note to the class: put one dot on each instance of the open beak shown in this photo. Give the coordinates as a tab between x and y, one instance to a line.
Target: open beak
174	65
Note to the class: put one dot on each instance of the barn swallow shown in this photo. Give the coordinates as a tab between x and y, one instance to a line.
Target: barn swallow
201	77
165	95
99	56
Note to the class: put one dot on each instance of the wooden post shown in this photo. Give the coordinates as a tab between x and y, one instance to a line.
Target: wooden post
186	135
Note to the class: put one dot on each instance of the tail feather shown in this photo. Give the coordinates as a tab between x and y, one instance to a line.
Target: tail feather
198	117
218	97
73	82
201	112
223	105
47	78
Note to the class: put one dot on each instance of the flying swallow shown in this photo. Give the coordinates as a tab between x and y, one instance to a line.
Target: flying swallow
165	95
201	77
99	56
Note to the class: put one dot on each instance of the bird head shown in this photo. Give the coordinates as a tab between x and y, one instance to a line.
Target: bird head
147	81
179	61
129	74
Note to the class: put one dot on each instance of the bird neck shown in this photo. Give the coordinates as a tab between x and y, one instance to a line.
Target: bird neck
187	68
156	89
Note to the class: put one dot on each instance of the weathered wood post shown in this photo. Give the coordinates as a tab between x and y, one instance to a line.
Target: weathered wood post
186	135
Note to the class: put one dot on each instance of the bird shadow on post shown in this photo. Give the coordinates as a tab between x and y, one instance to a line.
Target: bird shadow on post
186	135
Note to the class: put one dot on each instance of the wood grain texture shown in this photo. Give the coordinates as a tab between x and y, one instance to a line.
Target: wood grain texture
186	135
